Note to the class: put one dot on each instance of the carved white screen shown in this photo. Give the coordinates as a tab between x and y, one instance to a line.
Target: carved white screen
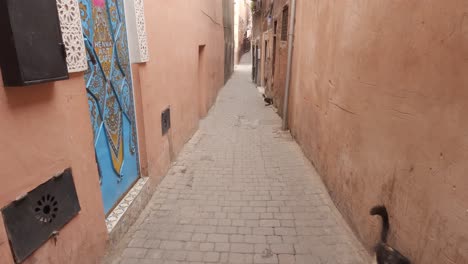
136	31
72	33
141	29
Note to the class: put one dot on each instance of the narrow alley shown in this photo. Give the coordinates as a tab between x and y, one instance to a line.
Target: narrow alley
241	191
233	131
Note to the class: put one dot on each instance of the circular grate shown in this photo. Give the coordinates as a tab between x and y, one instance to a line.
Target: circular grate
46	209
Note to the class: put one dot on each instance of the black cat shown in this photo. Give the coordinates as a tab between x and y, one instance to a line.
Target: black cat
268	101
385	254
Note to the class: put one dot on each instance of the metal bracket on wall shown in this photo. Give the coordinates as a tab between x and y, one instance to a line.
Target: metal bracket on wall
38	216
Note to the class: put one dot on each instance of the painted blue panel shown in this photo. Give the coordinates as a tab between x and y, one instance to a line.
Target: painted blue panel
110	97
110	186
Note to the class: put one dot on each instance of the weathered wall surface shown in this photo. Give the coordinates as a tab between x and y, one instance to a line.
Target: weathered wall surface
176	30
46	129
228	24
278	73
267	34
140	120
241	23
379	103
257	41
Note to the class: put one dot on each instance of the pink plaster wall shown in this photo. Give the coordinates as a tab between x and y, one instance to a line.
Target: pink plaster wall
276	80
140	120
241	23
44	130
176	29
379	104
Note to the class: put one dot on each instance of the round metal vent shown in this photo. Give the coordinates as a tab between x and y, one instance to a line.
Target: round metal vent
46	209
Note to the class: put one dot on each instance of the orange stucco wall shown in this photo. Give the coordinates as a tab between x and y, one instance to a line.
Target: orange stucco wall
379	102
241	22
44	130
140	120
176	30
276	80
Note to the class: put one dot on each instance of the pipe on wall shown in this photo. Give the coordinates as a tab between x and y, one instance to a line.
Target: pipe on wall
292	19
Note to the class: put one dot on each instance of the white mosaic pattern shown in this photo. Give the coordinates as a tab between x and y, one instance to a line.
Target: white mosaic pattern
115	216
72	33
141	30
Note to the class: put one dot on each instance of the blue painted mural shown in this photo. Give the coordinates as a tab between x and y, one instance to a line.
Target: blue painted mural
110	97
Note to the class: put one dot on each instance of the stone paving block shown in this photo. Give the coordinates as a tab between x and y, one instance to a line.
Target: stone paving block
282	248
192	246
224	257
139	234
194	256
286	259
224	222
227	230
262	249
263	259
270	223
211	257
274	239
129	261
172	262
134	252
238	258
242	248
137	243
218	238
252	223
222	247
308	259
147	261
255	239
175	255
250	216
182	236
287	223
207	246
172	245
152	243
263	231
266	215
236	238
199	237
238	222
285	231
244	230
205	229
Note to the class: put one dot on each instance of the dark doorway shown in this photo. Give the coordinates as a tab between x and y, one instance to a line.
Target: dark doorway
275	26
254	64
202	89
265	61
273	63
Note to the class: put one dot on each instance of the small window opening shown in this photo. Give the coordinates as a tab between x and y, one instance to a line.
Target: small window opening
284	24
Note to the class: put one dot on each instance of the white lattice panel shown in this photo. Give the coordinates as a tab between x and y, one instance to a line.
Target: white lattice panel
141	30
72	33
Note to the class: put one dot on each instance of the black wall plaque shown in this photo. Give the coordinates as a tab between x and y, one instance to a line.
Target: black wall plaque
31	46
36	217
166	121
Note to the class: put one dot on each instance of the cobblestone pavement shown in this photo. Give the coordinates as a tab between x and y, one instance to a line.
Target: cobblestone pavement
241	191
